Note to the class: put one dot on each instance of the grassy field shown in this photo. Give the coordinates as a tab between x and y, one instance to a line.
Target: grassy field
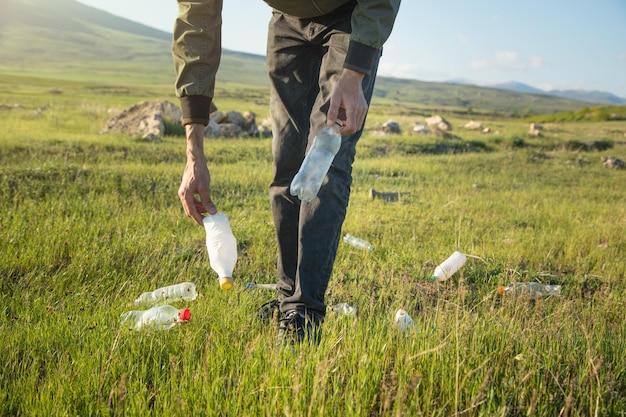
90	221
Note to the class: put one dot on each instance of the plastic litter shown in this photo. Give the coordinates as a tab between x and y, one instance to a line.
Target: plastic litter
157	318
308	181
386	195
533	289
357	242
344	310
253	285
222	247
185	291
403	321
449	267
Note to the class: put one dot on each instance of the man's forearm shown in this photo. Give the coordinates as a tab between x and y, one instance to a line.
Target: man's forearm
194	133
196	51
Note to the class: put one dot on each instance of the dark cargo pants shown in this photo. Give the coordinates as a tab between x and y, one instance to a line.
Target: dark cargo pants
305	59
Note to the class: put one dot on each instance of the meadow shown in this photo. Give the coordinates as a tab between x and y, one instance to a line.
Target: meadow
90	221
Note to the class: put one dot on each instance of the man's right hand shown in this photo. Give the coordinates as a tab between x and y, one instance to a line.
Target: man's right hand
196	177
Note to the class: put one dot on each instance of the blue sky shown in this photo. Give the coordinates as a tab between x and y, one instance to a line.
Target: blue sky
548	44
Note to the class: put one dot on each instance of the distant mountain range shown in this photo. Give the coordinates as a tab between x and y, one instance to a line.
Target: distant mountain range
64	38
599	97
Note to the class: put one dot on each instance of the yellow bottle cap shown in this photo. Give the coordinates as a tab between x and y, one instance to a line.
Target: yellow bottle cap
226	283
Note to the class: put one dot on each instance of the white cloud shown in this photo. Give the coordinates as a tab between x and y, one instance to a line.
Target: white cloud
479	64
390	69
535	62
507	61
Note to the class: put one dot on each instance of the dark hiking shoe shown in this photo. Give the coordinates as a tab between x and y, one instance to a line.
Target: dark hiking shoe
296	328
269	311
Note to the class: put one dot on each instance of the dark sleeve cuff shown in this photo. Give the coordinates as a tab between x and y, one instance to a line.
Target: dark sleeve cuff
360	57
196	109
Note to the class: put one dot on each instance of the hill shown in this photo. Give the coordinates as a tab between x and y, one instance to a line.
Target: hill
66	39
599	97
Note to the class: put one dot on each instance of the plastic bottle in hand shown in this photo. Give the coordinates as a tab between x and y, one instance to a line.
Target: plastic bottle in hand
158	318
449	267
533	289
222	247
357	242
308	181
185	291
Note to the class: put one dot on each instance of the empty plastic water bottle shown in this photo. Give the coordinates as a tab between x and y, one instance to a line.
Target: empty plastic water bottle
185	291
357	242
158	318
308	181
532	289
344	310
403	320
222	247
449	267
253	285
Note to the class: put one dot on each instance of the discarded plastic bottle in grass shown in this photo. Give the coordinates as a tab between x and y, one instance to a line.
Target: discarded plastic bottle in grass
253	285
308	181
386	196
157	318
344	309
357	242
222	247
449	267
532	289
403	321
185	291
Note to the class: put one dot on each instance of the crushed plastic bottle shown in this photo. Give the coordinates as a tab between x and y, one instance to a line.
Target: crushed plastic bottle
308	181
185	291
449	267
222	247
253	285
357	242
532	289
157	318
344	309
403	321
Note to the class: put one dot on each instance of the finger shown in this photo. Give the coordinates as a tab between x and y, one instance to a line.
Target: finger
191	209
333	112
350	125
183	201
207	203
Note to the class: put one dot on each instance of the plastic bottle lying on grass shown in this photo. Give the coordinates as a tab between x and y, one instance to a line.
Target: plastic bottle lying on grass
357	242
157	318
344	310
532	289
185	291
449	267
403	321
253	285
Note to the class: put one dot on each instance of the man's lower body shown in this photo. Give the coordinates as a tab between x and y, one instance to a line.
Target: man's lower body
305	59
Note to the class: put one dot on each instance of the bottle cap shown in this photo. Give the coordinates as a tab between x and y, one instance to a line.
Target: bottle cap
500	289
226	283
184	314
434	277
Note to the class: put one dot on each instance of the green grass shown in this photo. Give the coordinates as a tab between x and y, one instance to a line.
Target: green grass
90	221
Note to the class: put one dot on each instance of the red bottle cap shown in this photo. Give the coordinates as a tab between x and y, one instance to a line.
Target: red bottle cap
184	314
